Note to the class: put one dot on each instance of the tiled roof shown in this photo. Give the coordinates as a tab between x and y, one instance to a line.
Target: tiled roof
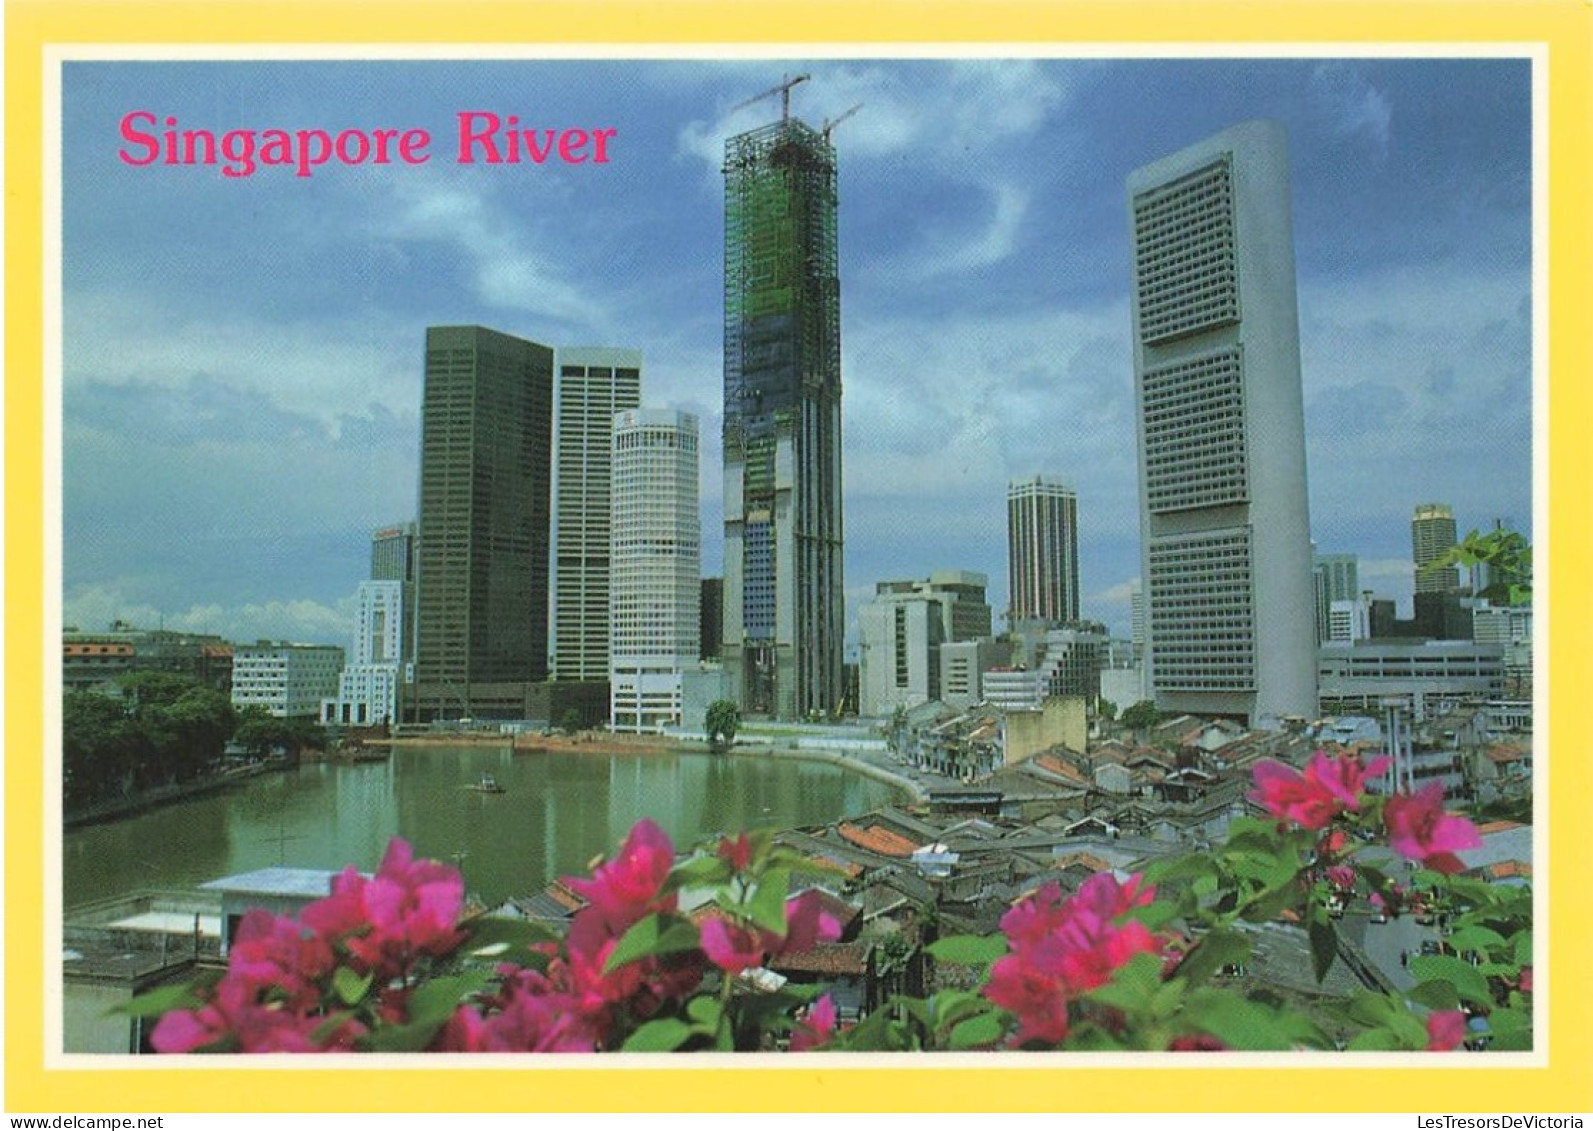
1054	765
1498	827
1509	870
875	839
1508	752
826	958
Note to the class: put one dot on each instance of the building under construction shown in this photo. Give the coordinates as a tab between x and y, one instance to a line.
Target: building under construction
784	607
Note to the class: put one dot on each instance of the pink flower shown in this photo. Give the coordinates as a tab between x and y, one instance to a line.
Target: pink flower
1330	785
817	1027
807	924
1196	1042
1284	792
1341	876
529	1015
1419	829
235	1019
275	953
737	853
1343	776
1445	1030
411	908
730	946
1062	948
629	887
1524	983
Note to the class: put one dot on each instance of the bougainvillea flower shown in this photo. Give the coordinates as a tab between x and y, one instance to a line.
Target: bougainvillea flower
1419	829
807	925
277	955
816	1028
1196	1042
409	909
732	947
1343	775
235	1018
1038	999
737	853
1446	1030
1284	792
629	887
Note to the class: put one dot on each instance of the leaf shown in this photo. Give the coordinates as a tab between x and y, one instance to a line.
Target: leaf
1469	983
157	1002
650	937
978	1032
951	1006
1477	938
1434	995
1218	949
1523	948
705	1010
767	907
1375	1040
430	1006
663	1034
1238	1022
968	950
1324	947
701	871
1180	868
349	986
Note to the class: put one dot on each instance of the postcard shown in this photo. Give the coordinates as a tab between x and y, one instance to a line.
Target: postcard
903	561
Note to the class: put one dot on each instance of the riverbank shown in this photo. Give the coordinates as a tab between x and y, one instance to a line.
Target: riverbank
162	795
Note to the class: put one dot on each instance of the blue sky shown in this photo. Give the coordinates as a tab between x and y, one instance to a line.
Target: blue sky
243	357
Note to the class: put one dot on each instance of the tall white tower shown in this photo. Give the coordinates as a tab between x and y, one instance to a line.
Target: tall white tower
655	586
1225	531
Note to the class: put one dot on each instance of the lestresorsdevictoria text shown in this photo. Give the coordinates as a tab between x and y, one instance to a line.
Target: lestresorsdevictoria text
481	137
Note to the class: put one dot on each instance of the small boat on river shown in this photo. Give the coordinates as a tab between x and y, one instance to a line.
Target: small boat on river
488	784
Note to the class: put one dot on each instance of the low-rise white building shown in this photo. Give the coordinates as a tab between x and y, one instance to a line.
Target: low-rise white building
287	680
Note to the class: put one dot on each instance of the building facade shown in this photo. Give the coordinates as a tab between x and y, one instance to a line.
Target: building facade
655	589
369	686
1432	535
1225	527
901	632
1043	550
288	681
592	385
481	633
784	606
393	552
1336	578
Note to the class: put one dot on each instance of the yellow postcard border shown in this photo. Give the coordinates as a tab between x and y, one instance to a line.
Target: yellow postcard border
1560	1082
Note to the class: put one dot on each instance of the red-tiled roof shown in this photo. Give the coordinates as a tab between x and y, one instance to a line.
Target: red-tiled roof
826	958
1509	870
563	896
1498	827
876	839
1508	752
1054	765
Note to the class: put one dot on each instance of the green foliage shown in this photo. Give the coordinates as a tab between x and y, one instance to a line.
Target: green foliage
570	722
1506	554
1141	716
721	723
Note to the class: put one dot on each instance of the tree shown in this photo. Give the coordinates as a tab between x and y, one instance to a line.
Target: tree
1141	716
570	722
1106	709
722	722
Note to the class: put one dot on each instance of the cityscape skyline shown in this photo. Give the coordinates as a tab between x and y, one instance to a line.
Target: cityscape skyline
937	418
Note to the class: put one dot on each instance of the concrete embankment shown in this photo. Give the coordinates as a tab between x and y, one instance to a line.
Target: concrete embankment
163	795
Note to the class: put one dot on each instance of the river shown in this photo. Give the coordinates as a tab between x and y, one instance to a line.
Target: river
557	811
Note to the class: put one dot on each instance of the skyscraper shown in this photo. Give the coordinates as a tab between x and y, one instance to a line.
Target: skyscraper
784	616
482	577
1336	578
656	580
1043	550
592	385
1432	535
1225	529
393	553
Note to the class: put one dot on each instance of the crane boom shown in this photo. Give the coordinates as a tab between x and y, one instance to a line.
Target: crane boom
831	123
783	90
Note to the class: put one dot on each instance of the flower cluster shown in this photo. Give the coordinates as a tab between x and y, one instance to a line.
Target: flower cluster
1060	948
1417	827
272	998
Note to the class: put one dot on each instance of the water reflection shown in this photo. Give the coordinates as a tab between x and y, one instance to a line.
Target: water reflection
557	812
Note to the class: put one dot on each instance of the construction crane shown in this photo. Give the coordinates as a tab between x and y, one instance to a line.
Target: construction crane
783	90
831	123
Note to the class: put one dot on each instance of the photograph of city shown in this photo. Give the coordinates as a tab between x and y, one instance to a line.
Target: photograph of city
813	555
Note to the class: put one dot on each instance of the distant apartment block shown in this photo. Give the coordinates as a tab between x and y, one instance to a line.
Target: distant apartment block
1426	675
592	385
901	631
96	659
1043	550
1432	535
1225	528
656	585
286	680
1337	578
368	688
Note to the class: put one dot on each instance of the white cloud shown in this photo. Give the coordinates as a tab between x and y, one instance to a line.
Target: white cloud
1352	105
93	607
